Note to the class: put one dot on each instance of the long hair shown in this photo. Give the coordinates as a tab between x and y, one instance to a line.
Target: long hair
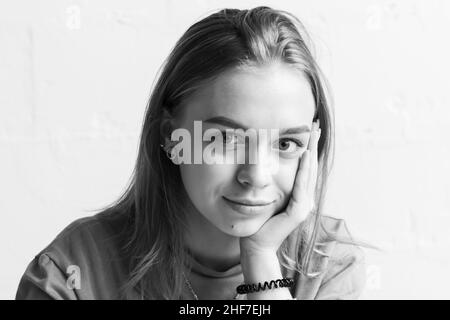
154	198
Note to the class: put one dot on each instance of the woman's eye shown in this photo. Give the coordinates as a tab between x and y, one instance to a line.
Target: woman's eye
290	145
230	139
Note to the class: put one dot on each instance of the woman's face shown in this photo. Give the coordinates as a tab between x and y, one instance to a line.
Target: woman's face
270	97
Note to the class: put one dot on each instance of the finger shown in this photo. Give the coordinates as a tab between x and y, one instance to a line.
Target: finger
316	142
300	184
314	138
311	136
314	160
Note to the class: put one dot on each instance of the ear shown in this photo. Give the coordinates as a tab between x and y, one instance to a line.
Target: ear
166	127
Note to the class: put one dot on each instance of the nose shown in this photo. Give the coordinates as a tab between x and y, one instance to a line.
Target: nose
256	174
253	175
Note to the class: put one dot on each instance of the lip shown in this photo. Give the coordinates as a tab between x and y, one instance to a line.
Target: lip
249	202
253	206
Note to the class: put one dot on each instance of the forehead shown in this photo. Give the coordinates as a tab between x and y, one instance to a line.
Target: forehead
273	96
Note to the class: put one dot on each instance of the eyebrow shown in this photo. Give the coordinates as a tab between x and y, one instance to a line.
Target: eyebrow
236	125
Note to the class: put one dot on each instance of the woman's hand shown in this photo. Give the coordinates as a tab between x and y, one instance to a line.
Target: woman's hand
270	236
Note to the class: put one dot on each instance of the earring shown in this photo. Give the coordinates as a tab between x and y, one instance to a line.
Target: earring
167	150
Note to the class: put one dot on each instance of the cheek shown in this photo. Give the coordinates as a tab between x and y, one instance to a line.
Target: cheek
204	182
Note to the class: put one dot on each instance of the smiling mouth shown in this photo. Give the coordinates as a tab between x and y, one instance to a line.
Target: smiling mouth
249	203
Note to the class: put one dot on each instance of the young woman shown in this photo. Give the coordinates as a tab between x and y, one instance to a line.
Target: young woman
197	230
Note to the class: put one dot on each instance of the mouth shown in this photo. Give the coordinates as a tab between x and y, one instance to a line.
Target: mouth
247	206
248	202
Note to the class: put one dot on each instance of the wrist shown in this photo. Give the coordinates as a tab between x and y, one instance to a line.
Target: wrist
259	267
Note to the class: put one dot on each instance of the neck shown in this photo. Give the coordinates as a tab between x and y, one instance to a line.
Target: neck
210	246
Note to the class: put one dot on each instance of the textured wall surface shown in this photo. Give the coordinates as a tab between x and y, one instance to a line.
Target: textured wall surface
75	77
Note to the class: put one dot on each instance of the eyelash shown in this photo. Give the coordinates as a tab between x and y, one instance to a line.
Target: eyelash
224	136
296	141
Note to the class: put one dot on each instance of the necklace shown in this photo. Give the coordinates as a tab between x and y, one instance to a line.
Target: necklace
188	283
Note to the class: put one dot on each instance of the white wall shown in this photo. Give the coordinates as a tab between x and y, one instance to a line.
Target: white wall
75	77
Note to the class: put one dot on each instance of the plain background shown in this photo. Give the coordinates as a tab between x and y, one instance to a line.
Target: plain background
75	77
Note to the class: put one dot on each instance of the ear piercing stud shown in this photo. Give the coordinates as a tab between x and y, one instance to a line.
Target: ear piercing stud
167	150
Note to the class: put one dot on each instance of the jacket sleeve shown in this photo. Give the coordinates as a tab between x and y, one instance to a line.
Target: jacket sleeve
44	280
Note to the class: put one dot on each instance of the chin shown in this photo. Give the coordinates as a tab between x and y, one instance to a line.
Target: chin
241	229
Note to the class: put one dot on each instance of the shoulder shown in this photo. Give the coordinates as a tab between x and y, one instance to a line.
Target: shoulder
334	232
345	274
83	261
87	237
337	267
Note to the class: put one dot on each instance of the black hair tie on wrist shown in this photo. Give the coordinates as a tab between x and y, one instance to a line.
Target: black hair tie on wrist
249	288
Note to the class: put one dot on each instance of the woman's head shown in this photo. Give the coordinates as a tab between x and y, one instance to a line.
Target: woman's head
254	67
270	96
